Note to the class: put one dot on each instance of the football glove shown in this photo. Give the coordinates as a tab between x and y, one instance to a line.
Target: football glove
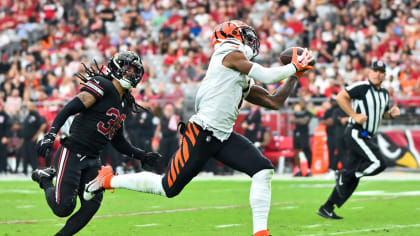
45	145
148	158
301	62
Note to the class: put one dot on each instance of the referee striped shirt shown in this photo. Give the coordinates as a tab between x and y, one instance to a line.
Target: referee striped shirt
371	101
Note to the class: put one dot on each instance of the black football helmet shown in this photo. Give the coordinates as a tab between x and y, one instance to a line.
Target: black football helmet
127	68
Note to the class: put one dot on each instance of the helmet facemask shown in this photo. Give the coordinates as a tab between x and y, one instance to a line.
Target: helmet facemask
249	37
127	69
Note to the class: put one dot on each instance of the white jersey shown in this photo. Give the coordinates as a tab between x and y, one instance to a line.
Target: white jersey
221	93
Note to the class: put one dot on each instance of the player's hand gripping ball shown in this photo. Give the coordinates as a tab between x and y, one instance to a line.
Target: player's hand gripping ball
303	59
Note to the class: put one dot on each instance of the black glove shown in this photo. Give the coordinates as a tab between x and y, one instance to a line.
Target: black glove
44	146
148	158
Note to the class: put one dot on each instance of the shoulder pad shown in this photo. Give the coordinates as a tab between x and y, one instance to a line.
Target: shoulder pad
229	45
97	86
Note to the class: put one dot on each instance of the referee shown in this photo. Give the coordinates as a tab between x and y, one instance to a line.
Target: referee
367	104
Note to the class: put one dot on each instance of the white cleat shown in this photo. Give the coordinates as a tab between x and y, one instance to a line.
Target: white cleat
87	195
96	185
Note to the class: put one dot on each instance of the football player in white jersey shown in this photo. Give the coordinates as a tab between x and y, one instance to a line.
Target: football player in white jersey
209	133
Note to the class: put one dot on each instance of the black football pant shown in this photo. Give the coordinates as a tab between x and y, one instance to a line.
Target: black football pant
364	157
73	172
198	146
3	158
167	147
30	155
332	144
301	142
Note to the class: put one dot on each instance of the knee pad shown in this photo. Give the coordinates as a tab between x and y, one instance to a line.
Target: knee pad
64	209
263	175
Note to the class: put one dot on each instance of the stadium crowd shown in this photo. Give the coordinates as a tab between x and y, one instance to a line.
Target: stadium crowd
44	42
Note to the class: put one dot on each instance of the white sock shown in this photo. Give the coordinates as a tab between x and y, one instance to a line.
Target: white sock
358	174
146	182
260	198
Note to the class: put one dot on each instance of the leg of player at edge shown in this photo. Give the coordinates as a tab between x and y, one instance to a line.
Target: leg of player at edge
188	162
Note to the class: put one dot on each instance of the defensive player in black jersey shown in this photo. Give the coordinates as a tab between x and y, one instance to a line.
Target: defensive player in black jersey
103	104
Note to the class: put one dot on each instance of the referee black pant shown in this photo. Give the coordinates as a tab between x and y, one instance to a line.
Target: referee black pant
363	159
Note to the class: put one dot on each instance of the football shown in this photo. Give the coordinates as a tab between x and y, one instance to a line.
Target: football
286	56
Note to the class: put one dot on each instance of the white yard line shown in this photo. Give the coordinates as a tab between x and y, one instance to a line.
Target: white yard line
145	213
147	225
185	210
227	226
365	230
287	207
24	191
25	206
357	208
314	226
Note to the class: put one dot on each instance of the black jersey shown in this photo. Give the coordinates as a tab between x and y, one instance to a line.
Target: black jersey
302	129
96	126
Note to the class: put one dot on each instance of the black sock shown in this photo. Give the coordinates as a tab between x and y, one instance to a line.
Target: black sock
329	205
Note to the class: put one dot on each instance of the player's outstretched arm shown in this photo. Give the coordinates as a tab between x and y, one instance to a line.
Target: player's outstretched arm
260	96
123	146
81	102
236	60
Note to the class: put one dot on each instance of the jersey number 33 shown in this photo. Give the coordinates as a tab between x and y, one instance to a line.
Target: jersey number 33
112	125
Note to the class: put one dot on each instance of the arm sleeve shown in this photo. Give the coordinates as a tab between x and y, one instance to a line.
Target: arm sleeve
71	108
123	146
271	75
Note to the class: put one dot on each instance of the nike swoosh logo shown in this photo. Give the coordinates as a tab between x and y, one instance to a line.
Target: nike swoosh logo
340	180
328	213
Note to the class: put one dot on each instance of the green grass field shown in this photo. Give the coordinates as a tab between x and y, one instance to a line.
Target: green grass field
220	207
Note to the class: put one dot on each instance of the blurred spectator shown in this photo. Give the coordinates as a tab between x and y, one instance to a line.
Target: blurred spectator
13	104
42	42
328	120
318	97
110	155
263	137
140	128
252	122
301	118
166	130
4	66
33	126
5	124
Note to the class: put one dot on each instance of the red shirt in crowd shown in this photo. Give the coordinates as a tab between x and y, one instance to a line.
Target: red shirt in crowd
8	22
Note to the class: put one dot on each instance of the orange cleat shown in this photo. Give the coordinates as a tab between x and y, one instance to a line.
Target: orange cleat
262	233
